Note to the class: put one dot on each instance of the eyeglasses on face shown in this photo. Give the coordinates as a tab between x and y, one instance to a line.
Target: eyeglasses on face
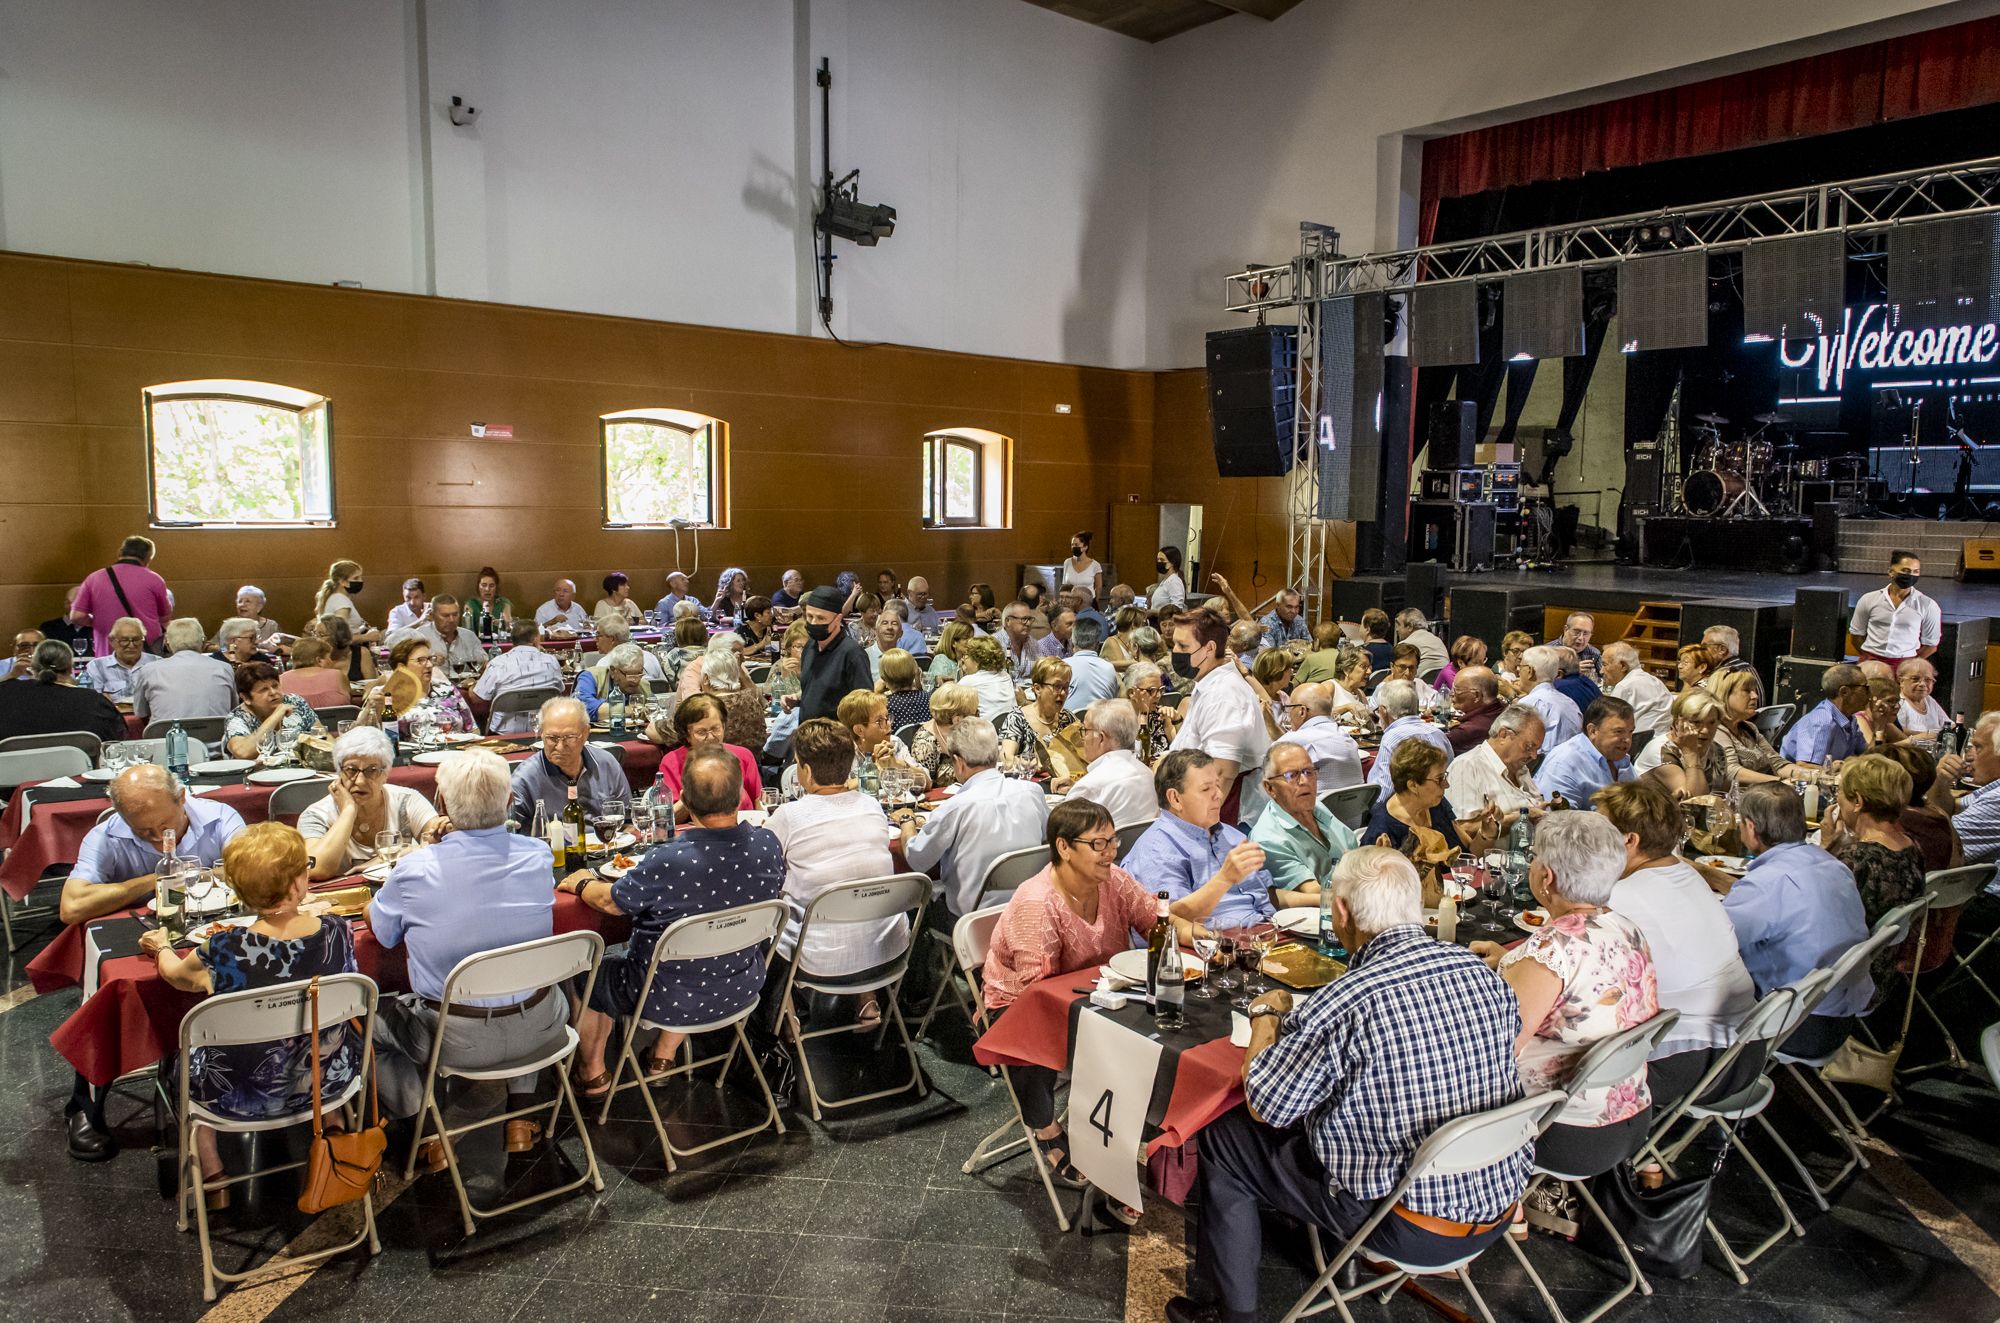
1054	688
1153	690
362	771
1296	776
561	741
1099	844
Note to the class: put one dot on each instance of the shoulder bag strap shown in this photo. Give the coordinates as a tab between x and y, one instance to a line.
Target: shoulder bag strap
111	573
319	1121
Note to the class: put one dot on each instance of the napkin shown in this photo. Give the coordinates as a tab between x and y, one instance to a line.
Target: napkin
62	783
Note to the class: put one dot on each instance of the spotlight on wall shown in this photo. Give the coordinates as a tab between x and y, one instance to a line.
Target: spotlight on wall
461	114
846	216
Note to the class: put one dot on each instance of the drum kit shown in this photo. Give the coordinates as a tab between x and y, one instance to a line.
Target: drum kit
1755	475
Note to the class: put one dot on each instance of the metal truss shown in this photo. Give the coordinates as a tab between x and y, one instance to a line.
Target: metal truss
1856	207
1305	562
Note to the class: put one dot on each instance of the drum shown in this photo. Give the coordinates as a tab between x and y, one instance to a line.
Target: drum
1708	491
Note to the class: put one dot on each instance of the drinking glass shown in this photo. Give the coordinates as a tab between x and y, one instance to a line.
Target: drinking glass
1225	951
1262	939
1205	946
388	844
609	821
1496	901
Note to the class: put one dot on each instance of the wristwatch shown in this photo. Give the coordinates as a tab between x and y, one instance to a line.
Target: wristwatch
1262	1012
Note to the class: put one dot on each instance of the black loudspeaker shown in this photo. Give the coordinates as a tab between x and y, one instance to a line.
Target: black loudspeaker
1252	386
1961	665
1488	613
1424	588
1349	443
1790	285
1642	479
1763	631
1826	531
1353	596
1797	680
1453	435
1819	624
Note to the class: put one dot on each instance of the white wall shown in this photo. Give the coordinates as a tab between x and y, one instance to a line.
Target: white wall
1258	126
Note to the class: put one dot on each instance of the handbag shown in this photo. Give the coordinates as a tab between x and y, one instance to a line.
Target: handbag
1875	1067
339	1167
1662	1228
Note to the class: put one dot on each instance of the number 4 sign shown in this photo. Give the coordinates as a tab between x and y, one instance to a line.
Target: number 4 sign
1111	1081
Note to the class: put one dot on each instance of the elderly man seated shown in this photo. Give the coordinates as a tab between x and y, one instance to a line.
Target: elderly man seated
1090	676
1341	1089
1561	718
112	675
524	666
341	830
1978	820
562	612
456	648
479	888
1397	707
187	682
1335	755
1573	684
1597	756
568	762
1496	773
1414	628
615	630
623	670
1625	678
1828	734
1475	694
923	614
990	815
1723	645
114	871
1300	838
1115	777
1211	871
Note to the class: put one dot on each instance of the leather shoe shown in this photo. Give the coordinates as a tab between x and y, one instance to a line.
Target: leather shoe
87	1143
1180	1309
522	1135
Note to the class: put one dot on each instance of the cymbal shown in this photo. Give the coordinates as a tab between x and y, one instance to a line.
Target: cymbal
1789	450
1712	419
1768	418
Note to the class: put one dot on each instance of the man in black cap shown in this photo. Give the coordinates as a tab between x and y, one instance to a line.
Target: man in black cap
833	665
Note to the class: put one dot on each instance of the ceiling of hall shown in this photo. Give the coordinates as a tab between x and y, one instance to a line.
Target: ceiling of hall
1156	20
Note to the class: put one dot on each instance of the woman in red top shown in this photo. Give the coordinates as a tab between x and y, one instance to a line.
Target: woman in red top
699	717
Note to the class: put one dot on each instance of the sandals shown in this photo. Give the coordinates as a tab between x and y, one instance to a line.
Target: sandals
869	1018
595	1087
1055	1152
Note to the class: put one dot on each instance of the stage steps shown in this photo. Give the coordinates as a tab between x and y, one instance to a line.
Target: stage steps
1655	633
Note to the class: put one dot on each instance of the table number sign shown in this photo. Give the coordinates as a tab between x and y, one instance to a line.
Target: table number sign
1110	1086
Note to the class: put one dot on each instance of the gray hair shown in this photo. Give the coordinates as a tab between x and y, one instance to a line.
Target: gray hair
1543	660
1514	717
1623	653
1278	747
1586	853
1145	641
184	634
557	707
1086	634
1410	619
363	742
1117	719
626	656
686	606
133	621
475	789
53	661
1571	663
721	669
253	588
1838	677
233	626
1397	697
1989	722
1724	636
144	777
974	740
1140	672
1778	815
1380	887
898	608
614	627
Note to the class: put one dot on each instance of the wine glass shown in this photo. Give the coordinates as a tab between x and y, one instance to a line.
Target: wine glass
388	844
1225	952
1262	938
1206	944
609	821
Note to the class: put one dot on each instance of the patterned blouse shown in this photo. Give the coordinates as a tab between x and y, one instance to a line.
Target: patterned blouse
1156	737
1886	878
1752	751
1039	934
908	706
925	753
1056	753
447	706
299	719
258	1080
1607	987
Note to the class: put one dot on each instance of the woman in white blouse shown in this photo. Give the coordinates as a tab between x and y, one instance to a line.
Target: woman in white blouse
1080	571
340	830
336	598
1171	590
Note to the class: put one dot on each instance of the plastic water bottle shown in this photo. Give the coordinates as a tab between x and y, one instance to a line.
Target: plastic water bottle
177	750
869	778
617	704
1517	852
1329	941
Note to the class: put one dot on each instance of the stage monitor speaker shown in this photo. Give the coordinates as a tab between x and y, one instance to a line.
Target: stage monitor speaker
1351	597
1453	439
1350	403
1424	588
1819	624
1252	387
1961	666
1763	631
1487	613
1444	324
1663	302
1979	560
1541	314
1796	680
1794	288
1826	516
1941	273
1642	479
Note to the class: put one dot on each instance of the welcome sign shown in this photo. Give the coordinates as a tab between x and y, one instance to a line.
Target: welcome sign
1869	339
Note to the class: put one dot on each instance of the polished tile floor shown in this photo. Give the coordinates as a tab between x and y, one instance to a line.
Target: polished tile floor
871	1220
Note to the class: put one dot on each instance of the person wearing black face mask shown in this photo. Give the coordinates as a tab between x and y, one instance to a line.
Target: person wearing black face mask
833	664
1171	590
1225	716
336	598
1897	622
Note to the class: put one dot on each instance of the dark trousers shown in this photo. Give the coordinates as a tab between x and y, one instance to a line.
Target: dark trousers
1247	1166
87	1098
1820	1036
1035	1086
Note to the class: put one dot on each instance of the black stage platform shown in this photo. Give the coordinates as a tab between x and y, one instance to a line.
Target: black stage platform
1621	587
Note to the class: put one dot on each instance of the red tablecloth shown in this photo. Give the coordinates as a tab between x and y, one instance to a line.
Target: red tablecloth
56	830
1035	1032
133	1020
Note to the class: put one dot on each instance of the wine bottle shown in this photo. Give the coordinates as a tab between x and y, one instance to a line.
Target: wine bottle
573	829
1169	984
1157	938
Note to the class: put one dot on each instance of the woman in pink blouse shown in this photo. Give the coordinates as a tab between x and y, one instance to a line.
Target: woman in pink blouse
1075	914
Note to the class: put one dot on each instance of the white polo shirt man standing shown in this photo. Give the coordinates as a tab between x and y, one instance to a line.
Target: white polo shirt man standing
1897	621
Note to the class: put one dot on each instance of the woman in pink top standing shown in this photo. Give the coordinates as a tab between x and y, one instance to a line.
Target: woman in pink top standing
127	588
1075	914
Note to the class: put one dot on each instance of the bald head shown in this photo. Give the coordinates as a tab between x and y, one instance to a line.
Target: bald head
151	802
712	783
1474	687
1316	698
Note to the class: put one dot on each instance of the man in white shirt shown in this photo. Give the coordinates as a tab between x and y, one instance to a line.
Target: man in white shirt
413	610
990	815
1334	752
1920	714
112	675
1414	628
1540	669
1898	622
1015	624
1090	676
455	647
923	613
1625	678
187	682
1496	772
1115	778
611	632
562	609
831	835
1225	718
524	666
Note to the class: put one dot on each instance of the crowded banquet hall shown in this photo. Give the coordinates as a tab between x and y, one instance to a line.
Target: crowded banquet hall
941	661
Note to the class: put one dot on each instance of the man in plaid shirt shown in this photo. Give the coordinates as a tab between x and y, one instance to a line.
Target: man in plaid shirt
1340	1093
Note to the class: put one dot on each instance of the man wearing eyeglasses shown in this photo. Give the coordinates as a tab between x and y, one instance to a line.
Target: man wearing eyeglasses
1115	779
1302	841
567	759
1897	622
1828	734
1332	750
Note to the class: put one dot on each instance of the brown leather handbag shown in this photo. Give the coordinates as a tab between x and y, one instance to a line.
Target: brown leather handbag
339	1167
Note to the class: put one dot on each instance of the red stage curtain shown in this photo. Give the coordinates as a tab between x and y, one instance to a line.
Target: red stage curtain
1945	69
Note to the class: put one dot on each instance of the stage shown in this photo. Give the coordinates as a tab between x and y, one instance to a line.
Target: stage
1612	587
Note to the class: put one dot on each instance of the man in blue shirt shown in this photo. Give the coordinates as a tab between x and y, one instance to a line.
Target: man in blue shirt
1795	910
1090	676
1396	705
677	592
1828	733
479	888
1210	870
567	759
1978	820
1593	758
1573	684
1285	623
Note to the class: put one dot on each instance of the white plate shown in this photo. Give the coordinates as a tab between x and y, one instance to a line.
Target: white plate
378	872
460	736
1300	919
222	767
618	842
1723	863
755	817
611	872
278	776
201	932
1521	921
436	757
1131	965
97	775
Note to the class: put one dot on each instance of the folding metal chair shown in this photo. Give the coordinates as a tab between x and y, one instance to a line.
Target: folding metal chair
1950	889
1773	719
867	900
701	937
206	730
295	797
1611	1061
510	971
907	732
1003	875
268	1015
523	703
1467	1144
1771	1020
1351	805
93	747
1130	834
971	938
1641	740
22	766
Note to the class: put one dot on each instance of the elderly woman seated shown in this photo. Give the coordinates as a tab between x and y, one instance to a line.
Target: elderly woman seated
1583	976
313	676
865	714
342	829
700	720
236	641
1415	817
268	720
722	677
1075	914
1741	694
623	670
250	604
949	702
690	641
49	701
1057	730
1691	760
987	673
267	868
1144	684
414	687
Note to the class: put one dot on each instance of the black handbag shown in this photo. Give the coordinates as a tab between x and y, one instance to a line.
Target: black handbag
1663	1227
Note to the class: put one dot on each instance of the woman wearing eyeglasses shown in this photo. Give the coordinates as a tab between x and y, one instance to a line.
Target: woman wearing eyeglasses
1415	818
1146	685
340	829
1057	730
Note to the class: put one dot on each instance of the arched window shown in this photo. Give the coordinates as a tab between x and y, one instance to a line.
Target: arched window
966	478
236	454
664	468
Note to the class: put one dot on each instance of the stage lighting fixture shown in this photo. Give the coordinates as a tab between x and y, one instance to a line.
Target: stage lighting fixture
846	216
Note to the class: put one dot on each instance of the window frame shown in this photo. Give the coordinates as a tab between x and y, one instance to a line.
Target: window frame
268	395
992	476
688	423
